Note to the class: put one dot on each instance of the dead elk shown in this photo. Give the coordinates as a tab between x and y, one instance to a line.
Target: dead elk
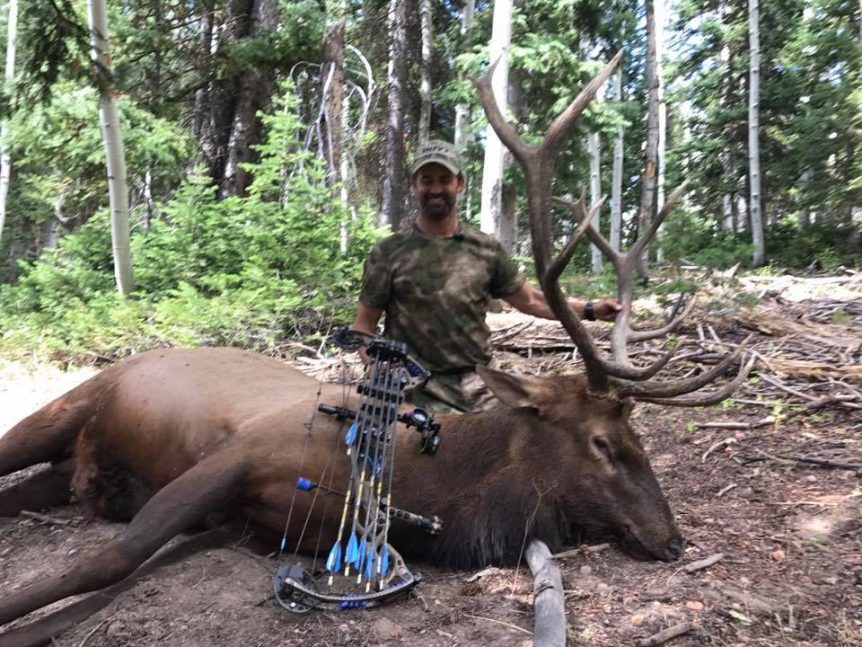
168	437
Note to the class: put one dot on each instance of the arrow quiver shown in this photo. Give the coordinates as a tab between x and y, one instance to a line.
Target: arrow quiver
362	568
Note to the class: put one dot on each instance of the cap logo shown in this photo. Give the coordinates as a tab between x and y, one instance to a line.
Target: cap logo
437	151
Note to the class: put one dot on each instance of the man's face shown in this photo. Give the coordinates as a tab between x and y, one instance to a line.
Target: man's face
436	188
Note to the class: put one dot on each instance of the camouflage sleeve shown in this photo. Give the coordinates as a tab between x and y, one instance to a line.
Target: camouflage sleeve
506	278
376	279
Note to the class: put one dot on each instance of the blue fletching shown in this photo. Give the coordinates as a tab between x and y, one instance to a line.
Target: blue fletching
360	564
350	436
303	483
333	562
369	562
384	561
353	555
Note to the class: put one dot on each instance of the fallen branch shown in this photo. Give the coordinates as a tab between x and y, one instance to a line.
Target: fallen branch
703	563
581	550
720	443
725	490
821	462
38	516
667	634
550	623
768	420
499	622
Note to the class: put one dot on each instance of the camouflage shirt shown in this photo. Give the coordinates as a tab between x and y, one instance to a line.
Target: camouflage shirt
435	293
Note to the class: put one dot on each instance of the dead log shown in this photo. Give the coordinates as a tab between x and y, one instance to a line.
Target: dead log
550	623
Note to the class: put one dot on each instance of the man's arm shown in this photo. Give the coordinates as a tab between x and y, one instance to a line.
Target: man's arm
530	300
367	318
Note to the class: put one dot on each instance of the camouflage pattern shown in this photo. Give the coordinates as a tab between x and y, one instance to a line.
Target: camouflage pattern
435	294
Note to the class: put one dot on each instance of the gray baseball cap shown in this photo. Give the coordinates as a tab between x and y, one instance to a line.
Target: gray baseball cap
436	151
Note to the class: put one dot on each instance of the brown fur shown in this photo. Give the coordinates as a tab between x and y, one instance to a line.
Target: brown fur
170	436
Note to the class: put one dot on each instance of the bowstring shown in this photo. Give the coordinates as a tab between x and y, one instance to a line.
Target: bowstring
309	425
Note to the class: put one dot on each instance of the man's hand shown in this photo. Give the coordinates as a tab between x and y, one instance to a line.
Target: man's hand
366	321
607	310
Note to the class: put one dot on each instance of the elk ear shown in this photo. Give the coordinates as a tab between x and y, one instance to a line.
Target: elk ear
516	391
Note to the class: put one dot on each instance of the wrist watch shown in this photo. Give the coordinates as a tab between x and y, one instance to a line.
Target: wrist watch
590	311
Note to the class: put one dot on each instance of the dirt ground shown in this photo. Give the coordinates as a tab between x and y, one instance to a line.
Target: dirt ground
789	533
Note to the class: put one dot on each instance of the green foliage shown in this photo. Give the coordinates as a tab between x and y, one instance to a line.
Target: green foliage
60	175
810	139
240	271
821	246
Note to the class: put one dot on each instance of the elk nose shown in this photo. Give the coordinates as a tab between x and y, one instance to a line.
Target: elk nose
675	548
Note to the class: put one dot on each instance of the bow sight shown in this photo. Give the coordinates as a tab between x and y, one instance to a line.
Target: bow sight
363	569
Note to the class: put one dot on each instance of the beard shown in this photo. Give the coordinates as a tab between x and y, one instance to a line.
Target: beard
437	207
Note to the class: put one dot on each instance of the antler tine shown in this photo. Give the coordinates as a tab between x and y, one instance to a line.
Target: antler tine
672	388
555	269
706	399
645	238
669	327
561	126
622	368
523	152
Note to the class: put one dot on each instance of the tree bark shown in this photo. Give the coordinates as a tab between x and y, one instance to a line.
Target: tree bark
425	71
118	190
647	205
255	92
333	96
754	204
462	109
396	172
550	620
492	172
5	157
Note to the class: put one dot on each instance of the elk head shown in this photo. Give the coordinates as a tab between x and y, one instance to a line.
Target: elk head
595	471
628	495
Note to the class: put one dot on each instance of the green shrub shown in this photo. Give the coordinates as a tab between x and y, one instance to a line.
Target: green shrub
240	271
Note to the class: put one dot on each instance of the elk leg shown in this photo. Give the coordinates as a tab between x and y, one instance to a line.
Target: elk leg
43	630
42	490
50	433
211	484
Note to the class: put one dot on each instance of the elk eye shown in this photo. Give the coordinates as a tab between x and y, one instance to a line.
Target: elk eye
602	446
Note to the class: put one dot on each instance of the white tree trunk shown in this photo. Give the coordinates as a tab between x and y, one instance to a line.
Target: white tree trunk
5	157
118	190
753	132
662	114
425	71
617	177
492	174
462	110
647	207
594	151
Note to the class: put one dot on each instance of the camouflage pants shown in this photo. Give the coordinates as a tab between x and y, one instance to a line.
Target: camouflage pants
462	391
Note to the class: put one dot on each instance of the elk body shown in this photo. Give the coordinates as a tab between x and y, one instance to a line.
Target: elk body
168	437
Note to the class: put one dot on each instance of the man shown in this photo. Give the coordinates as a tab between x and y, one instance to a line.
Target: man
434	281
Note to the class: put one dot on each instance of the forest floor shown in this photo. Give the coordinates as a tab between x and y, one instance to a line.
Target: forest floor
772	495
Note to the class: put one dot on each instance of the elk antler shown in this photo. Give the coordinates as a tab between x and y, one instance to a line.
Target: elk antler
538	163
